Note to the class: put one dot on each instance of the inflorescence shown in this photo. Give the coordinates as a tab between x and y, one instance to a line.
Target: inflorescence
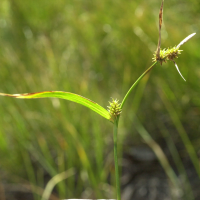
167	54
114	109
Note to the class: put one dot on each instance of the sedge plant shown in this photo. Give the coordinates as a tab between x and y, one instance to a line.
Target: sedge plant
113	113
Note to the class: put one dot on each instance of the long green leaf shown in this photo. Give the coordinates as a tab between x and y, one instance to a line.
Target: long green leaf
64	95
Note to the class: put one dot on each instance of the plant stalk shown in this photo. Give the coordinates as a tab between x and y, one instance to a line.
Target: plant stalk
136	82
115	129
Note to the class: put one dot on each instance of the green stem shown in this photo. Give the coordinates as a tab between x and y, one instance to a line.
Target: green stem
136	82
115	129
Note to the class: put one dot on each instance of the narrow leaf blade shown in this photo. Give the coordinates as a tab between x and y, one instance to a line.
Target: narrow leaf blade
64	95
179	70
185	40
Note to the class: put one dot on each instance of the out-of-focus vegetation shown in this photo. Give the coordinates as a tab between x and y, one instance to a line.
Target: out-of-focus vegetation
96	49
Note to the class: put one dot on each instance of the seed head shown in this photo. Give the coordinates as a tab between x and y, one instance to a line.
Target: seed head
114	108
167	54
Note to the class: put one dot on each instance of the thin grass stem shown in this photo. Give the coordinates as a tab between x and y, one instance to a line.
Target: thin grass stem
115	130
136	82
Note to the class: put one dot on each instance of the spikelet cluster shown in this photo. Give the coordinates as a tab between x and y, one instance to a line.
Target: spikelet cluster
114	108
167	54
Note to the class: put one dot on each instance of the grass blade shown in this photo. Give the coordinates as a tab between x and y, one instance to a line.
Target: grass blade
65	95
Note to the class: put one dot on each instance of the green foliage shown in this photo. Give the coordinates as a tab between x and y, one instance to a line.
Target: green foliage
96	49
64	95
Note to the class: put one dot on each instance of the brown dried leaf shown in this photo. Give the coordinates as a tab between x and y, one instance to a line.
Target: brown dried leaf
160	25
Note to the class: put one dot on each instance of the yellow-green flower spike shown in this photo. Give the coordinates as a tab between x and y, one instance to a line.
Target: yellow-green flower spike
114	108
167	54
171	54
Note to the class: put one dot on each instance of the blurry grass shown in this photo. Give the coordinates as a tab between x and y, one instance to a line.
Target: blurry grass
160	155
177	123
188	194
174	180
93	49
55	180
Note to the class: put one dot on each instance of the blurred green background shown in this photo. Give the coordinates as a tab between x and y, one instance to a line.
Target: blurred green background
96	49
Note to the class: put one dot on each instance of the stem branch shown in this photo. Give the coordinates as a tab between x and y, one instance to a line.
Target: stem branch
136	82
